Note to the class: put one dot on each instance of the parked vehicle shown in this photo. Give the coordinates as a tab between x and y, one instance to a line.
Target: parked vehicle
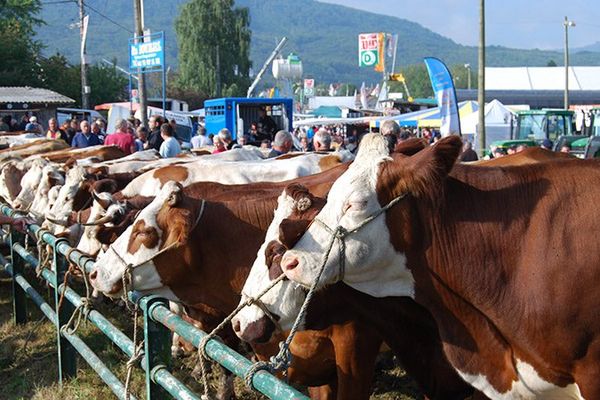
238	113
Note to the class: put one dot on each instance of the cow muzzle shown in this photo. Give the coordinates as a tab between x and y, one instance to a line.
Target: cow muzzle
114	291
259	331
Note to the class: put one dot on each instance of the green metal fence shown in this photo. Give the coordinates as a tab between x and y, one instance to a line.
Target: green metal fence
159	323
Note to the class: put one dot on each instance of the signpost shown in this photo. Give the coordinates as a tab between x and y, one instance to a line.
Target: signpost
146	55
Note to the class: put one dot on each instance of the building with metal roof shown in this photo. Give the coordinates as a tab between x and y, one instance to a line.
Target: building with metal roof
20	101
539	87
541	78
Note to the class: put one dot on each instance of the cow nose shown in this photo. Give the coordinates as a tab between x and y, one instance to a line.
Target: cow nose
237	326
288	263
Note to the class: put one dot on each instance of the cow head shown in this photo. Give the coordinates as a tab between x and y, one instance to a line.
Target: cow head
51	177
10	179
104	213
157	231
75	192
29	184
296	207
372	264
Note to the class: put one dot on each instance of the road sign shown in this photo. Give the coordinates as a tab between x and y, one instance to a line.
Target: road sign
147	54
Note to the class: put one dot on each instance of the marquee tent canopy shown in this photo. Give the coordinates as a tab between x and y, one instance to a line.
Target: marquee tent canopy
430	118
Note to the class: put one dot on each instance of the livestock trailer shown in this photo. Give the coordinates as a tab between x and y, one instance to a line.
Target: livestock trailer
238	113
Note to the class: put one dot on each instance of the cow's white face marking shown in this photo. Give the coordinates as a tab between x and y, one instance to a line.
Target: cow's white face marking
89	244
49	178
110	267
64	203
285	298
29	183
372	265
529	386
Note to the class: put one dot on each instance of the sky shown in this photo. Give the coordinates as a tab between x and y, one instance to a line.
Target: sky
523	24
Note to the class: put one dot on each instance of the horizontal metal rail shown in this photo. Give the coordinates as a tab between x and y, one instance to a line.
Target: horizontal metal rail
160	376
88	355
263	381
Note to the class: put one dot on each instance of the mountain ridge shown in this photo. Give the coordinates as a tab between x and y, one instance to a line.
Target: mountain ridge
324	35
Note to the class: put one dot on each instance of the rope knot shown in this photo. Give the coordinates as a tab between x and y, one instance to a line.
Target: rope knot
340	232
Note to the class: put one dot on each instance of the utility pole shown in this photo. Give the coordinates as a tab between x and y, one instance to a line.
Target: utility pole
218	72
139	31
567	24
468	67
85	88
481	80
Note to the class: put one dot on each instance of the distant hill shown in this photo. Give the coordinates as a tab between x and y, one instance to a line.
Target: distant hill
323	35
595	47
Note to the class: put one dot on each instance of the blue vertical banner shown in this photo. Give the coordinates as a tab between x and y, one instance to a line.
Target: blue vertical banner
443	88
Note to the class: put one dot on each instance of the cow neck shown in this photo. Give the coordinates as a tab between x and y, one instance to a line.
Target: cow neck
457	285
129	267
223	249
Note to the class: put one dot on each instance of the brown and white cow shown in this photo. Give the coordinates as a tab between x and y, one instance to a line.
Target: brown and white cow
102	153
405	326
216	170
202	271
502	262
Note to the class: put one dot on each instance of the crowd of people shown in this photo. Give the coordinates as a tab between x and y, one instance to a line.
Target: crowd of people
130	136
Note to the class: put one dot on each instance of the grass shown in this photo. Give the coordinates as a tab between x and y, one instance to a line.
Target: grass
28	360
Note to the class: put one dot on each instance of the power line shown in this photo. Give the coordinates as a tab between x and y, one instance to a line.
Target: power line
107	18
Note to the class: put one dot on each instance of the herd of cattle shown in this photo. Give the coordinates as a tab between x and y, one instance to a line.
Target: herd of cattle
479	277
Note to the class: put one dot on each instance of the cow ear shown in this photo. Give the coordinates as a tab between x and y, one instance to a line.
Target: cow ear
410	146
422	173
70	163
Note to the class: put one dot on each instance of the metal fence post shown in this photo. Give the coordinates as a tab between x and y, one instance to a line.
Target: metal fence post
19	296
157	347
67	361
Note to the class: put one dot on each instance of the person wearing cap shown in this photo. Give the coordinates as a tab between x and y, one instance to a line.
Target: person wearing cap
547	144
33	125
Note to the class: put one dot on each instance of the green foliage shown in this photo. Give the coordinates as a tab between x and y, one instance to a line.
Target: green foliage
205	27
107	84
551	63
19	49
323	35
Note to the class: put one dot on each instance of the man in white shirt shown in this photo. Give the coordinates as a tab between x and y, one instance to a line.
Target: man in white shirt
200	140
170	146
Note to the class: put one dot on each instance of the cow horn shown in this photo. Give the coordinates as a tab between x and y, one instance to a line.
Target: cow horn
103	203
58	222
101	221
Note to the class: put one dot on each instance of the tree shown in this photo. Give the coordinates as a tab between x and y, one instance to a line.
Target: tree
551	63
106	82
19	65
213	39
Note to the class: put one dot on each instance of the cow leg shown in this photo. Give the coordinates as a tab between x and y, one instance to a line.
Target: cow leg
325	392
356	349
226	389
176	348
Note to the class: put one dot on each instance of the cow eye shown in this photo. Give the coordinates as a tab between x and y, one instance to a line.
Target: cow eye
355	205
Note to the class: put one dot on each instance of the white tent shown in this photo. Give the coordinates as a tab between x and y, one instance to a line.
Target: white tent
495	114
